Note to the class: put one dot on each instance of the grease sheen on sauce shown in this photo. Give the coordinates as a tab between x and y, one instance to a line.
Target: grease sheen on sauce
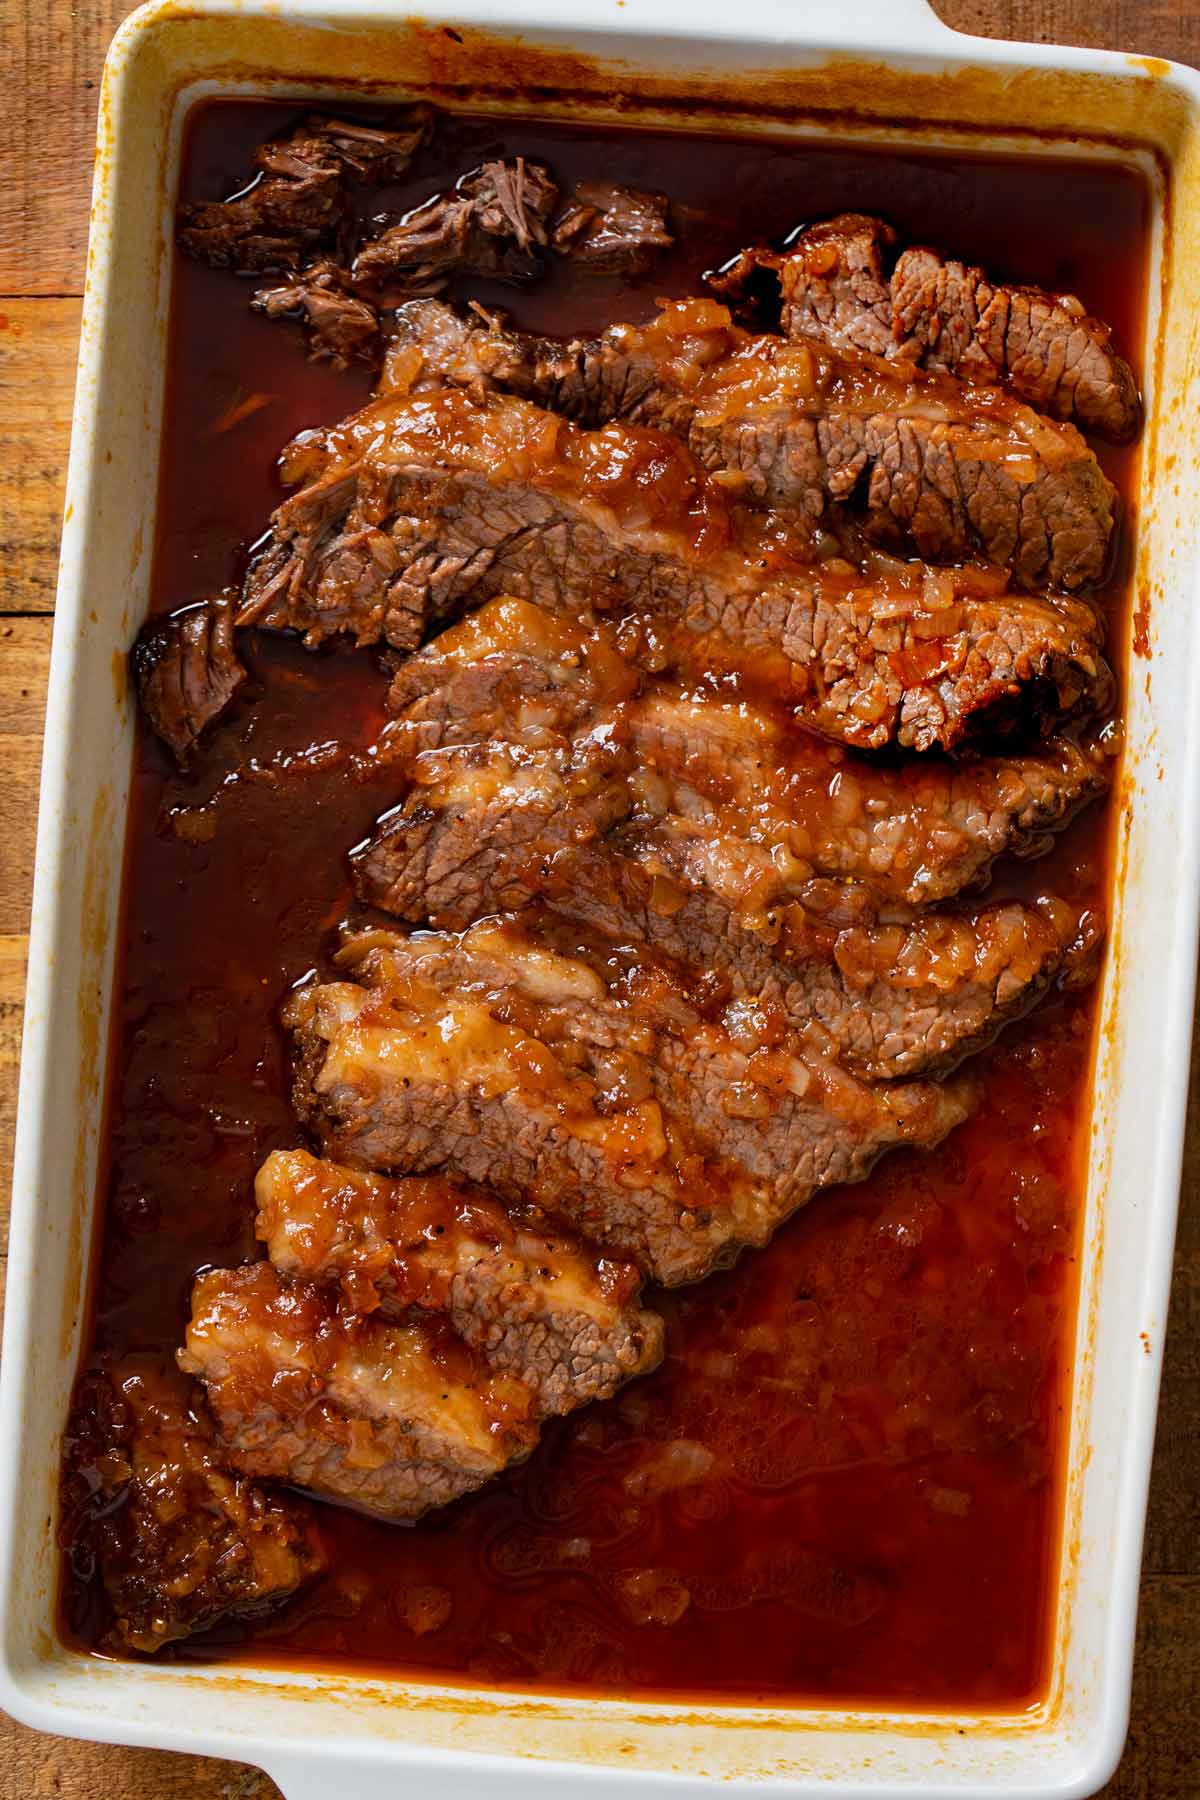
845	1480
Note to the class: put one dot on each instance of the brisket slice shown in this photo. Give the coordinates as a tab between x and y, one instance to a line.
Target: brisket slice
388	536
478	824
181	1541
522	734
297	202
393	1419
510	731
773	811
789	810
925	462
442	858
612	1102
885	1000
187	672
838	282
491	224
518	1289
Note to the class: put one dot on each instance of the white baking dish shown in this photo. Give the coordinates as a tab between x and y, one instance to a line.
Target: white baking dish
883	70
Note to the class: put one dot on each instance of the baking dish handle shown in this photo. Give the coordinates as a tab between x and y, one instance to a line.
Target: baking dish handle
317	1777
911	26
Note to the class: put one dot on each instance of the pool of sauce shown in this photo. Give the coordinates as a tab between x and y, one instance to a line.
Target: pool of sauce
844	1482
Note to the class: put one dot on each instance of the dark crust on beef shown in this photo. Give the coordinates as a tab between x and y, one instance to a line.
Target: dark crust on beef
187	672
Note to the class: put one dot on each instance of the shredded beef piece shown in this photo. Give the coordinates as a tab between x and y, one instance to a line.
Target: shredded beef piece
924	462
604	1096
397	527
516	1287
612	230
839	283
298	201
338	326
187	672
369	153
181	1541
391	1418
492	223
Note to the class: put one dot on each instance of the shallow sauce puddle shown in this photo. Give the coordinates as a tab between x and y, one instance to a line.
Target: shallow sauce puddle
845	1480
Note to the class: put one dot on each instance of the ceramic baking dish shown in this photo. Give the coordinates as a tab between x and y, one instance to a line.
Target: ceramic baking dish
882	71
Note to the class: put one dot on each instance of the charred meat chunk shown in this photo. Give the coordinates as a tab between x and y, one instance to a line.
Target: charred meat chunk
492	223
516	1287
187	672
182	1541
612	230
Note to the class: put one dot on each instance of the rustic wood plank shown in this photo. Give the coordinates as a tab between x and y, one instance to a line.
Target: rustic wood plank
1168	28
51	54
24	663
44	1768
1160	1760
38	344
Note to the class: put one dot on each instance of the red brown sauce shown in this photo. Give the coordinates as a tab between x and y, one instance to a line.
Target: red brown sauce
845	1481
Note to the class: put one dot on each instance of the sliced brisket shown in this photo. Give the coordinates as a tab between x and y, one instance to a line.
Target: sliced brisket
526	736
833	285
928	463
596	1090
480	821
187	672
414	510
912	998
390	1418
518	1289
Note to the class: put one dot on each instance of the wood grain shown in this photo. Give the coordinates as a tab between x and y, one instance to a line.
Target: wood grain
50	57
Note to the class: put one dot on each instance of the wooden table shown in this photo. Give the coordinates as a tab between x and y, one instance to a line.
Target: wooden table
50	57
